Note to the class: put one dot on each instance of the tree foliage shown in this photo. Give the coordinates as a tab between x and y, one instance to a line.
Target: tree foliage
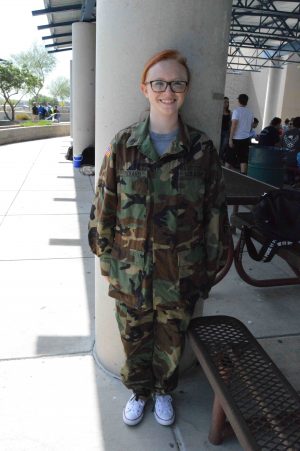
39	61
15	81
43	98
60	88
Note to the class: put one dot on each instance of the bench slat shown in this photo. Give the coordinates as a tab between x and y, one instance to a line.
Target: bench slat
260	404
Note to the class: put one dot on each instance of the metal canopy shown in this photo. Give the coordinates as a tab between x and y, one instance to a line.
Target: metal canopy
263	33
60	16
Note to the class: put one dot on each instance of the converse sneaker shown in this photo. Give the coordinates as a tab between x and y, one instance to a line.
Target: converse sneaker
134	410
163	410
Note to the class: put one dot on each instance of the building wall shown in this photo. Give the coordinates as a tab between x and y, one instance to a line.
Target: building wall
254	84
251	83
291	98
257	94
235	85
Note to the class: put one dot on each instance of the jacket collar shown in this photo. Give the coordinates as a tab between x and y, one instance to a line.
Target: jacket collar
140	137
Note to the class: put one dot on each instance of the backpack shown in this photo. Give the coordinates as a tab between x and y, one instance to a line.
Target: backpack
277	217
88	156
69	154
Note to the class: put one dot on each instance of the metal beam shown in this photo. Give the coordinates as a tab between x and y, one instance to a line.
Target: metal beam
253	28
261	47
56	9
248	11
61	35
236	71
58	43
253	65
60	50
260	26
87	10
279	60
275	37
55	25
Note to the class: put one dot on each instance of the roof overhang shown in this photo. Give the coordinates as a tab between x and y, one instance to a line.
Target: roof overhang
61	14
263	33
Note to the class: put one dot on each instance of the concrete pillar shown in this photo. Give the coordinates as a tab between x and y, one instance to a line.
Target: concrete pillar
71	101
291	96
128	33
83	85
274	96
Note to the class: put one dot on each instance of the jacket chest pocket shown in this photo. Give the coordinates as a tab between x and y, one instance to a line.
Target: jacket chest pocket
191	184
133	194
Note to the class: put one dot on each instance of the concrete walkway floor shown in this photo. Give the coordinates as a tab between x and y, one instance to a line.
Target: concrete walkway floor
53	395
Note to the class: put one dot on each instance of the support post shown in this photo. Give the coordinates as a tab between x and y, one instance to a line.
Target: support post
83	86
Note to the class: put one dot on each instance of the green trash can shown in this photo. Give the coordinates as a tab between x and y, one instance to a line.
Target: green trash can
265	163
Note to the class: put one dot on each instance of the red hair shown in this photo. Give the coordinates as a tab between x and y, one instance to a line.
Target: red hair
168	54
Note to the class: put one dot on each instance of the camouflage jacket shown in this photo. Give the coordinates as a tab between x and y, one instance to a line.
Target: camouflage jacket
159	223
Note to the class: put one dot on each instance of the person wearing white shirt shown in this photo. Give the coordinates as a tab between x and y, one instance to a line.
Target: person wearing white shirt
241	124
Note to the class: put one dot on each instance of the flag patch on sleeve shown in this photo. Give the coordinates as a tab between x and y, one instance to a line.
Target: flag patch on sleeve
108	151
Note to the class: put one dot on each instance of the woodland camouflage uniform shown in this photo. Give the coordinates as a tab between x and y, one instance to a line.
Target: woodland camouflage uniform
159	225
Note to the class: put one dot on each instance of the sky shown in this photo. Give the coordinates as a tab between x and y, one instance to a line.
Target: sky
18	32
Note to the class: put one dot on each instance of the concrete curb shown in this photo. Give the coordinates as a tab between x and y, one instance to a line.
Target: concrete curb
20	134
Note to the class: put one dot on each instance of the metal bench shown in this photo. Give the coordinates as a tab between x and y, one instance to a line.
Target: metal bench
252	397
290	253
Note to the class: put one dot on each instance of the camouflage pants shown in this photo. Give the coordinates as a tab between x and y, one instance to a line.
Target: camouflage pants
153	341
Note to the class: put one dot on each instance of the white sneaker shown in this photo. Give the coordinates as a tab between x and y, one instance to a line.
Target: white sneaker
163	410
134	411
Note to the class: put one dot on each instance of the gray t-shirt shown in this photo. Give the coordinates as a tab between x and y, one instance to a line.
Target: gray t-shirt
163	141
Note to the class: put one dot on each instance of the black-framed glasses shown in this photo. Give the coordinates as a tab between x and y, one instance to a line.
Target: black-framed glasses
161	85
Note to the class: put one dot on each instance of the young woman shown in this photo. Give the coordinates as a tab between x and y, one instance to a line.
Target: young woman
159	225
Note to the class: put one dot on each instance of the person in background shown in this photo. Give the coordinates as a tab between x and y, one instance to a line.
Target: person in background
49	111
42	112
291	138
285	127
225	129
159	225
290	142
291	123
35	112
241	124
270	135
56	113
253	132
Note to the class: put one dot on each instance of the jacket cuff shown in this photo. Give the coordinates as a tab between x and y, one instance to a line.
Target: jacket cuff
105	265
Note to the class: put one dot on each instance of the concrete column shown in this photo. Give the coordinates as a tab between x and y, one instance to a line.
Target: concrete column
83	85
128	33
71	101
291	96
274	96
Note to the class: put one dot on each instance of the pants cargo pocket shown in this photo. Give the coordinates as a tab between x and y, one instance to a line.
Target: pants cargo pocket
129	277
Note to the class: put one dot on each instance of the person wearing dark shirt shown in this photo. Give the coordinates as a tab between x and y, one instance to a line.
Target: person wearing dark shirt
56	113
270	136
291	142
225	129
42	112
35	112
291	138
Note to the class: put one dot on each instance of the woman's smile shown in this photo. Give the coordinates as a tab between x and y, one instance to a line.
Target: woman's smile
167	103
